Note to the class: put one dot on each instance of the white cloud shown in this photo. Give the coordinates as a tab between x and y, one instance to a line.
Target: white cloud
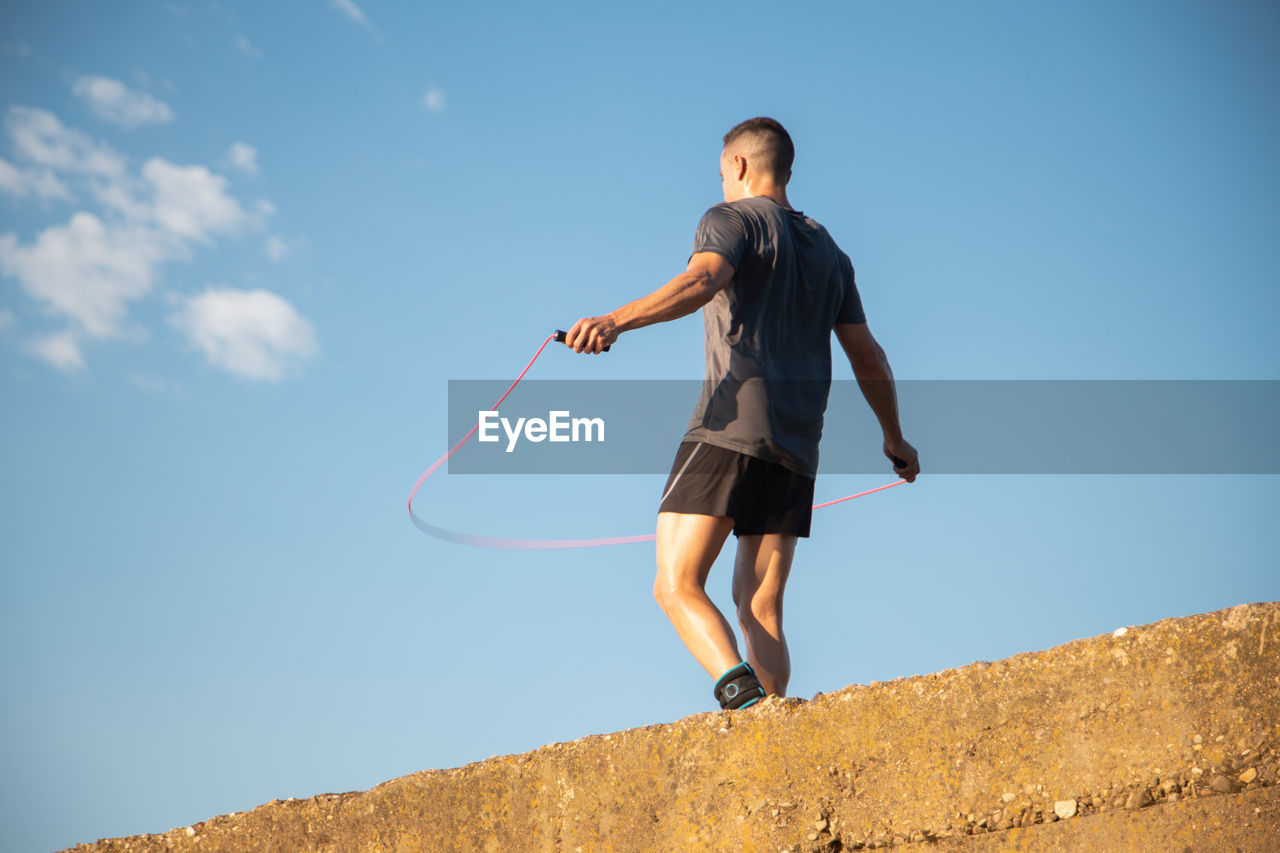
242	44
243	157
150	384
115	102
87	270
182	203
354	13
40	138
61	350
124	196
23	182
278	248
11	179
92	269
350	9
144	79
192	202
254	333
434	99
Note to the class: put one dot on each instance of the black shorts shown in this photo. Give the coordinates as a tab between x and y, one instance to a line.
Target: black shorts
760	496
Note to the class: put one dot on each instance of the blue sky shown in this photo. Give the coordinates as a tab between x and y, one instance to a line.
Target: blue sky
245	246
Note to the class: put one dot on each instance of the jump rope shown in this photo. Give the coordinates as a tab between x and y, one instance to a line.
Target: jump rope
545	544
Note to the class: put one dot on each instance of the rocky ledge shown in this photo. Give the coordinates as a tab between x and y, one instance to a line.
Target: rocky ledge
1160	737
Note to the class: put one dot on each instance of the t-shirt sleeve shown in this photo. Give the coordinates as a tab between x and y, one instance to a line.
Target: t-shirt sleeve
850	302
721	231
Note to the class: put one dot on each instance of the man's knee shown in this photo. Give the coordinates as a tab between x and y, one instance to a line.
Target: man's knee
661	592
668	589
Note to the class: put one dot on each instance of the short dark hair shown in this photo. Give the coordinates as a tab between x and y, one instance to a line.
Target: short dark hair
768	140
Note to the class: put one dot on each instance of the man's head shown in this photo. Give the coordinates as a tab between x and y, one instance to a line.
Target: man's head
756	158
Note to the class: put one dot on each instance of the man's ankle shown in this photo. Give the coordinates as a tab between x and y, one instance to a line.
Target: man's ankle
739	688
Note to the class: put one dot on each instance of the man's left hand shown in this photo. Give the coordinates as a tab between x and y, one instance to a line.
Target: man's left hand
592	334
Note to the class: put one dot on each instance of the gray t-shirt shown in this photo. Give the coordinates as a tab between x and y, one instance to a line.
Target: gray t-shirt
768	333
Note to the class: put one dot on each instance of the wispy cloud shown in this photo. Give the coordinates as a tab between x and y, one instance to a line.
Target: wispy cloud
32	181
61	350
115	102
150	384
351	10
354	13
21	50
8	320
278	248
434	99
254	333
39	138
241	44
145	80
243	157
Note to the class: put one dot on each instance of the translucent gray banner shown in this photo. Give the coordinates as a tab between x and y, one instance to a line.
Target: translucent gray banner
958	426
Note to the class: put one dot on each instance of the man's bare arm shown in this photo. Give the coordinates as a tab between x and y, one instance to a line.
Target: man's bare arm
706	275
875	379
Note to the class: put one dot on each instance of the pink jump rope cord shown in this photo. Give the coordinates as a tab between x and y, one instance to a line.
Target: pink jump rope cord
544	544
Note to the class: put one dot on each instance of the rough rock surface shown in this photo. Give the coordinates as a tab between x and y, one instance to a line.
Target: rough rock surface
1162	737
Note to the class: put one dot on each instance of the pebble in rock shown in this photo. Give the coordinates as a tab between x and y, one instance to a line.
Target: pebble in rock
1008	797
1139	799
1222	785
1065	808
1248	776
820	824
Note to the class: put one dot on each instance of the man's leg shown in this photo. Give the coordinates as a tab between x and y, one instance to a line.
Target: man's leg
760	573
687	546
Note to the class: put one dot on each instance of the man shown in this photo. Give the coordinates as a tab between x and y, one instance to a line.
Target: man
773	286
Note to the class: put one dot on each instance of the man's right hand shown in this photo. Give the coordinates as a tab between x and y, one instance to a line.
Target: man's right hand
592	334
902	451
